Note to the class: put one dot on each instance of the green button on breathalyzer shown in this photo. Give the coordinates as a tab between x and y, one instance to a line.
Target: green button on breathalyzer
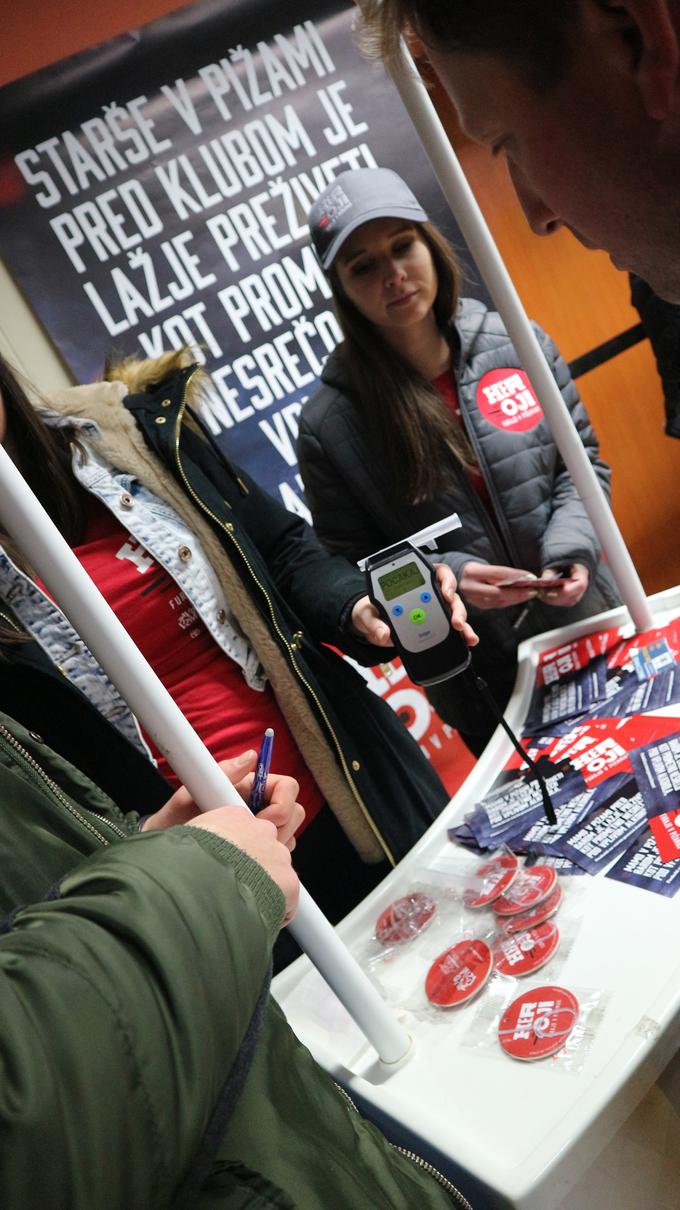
417	616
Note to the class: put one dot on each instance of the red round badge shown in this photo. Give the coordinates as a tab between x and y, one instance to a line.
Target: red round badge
531	888
404	919
538	1023
506	399
529	920
495	877
524	953
459	973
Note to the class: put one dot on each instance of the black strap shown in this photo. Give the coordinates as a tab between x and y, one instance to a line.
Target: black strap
604	352
189	1191
480	687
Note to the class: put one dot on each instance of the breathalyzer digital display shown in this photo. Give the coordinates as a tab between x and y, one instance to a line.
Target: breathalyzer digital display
402	580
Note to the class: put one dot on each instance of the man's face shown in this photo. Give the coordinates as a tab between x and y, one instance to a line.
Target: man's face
584	155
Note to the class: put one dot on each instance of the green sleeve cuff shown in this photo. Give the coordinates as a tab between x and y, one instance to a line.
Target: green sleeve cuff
268	895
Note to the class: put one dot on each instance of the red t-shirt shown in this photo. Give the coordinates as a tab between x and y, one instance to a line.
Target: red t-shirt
207	685
446	385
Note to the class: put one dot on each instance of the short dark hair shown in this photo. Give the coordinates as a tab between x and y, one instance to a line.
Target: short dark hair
537	36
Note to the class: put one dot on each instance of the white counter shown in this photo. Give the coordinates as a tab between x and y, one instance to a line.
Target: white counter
527	1131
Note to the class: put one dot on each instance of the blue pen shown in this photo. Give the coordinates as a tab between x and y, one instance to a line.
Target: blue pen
264	760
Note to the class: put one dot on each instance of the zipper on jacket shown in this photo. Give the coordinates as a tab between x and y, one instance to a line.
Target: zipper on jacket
417	1160
436	1175
290	650
46	782
9	621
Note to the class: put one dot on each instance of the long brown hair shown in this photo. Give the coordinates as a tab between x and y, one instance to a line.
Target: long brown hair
43	456
396	400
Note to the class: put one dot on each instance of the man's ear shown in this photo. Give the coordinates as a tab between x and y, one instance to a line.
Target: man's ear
652	30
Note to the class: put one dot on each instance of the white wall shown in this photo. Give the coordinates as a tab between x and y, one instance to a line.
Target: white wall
24	342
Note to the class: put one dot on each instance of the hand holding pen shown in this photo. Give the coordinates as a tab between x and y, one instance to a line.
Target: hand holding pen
275	799
282	810
264	760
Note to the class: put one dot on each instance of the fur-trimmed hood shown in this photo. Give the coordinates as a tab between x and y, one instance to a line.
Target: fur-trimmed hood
97	407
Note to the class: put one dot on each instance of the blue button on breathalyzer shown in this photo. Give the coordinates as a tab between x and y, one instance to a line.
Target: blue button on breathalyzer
426	596
397	610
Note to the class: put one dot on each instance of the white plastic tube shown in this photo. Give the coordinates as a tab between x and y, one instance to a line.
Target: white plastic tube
488	259
26	521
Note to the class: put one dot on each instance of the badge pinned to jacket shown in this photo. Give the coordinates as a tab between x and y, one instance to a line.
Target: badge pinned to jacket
507	400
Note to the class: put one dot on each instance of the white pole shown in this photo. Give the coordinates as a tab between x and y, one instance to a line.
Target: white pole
27	522
481	244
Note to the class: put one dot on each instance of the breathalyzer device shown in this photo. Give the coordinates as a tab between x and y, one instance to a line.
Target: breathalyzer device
403	587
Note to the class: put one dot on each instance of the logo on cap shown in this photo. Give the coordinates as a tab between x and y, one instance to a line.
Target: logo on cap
336	205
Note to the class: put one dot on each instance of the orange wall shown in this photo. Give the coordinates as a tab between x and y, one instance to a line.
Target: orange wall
576	295
34	35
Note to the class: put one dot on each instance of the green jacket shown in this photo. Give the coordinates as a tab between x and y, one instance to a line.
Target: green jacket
127	988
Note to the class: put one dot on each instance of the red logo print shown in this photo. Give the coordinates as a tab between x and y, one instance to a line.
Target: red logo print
506	399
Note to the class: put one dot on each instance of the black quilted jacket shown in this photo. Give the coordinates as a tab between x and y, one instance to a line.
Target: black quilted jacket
539	520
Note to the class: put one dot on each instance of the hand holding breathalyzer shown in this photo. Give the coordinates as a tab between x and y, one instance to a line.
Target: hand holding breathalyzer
405	590
368	623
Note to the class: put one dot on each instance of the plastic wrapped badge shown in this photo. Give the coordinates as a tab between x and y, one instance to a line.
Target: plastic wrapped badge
533	886
523	953
536	915
538	1023
492	879
458	974
404	919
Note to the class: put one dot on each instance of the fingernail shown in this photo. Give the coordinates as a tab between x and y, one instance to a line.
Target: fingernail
245	756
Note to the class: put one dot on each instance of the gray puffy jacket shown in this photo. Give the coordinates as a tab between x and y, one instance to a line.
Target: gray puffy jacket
539	520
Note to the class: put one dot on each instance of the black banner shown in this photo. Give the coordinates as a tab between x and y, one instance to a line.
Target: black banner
153	193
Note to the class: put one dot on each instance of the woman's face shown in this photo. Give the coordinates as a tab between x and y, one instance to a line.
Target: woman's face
385	268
